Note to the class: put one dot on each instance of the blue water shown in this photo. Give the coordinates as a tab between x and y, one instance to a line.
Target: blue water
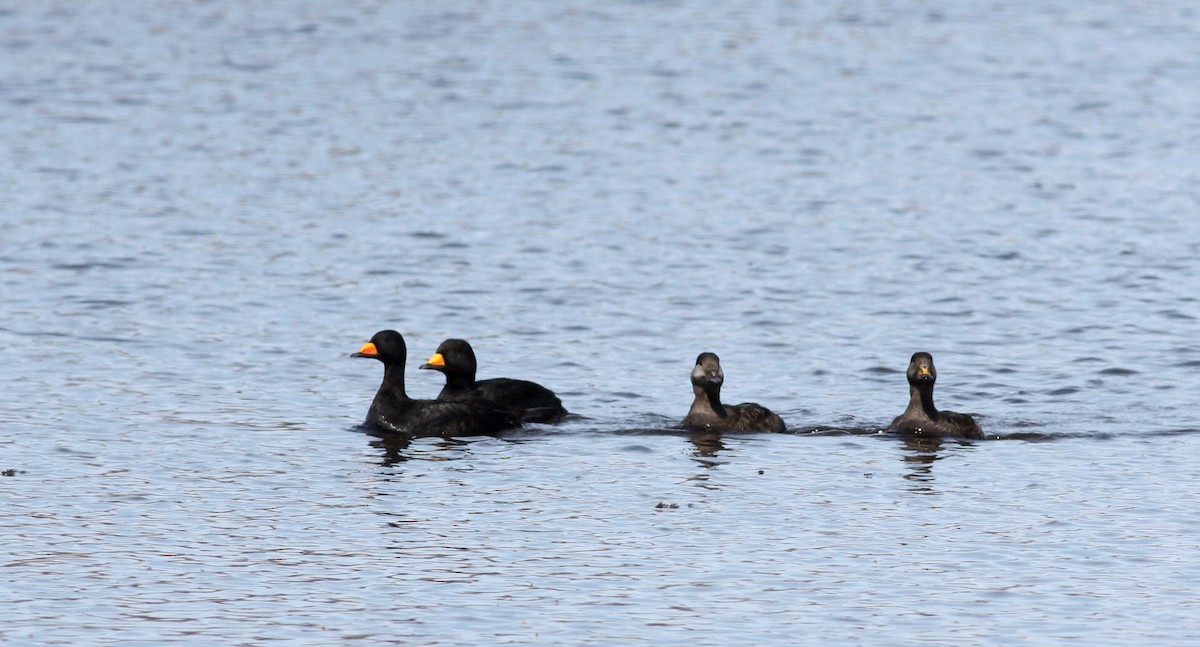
208	206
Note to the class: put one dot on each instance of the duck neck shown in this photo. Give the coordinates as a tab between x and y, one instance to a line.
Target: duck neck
459	382
393	380
708	400
921	399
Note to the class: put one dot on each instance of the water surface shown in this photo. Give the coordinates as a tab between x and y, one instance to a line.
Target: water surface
209	206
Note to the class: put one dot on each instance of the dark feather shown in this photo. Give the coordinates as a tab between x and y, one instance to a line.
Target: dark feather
922	417
707	412
393	411
538	403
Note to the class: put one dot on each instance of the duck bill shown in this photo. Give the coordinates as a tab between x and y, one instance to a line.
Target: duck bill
436	363
368	350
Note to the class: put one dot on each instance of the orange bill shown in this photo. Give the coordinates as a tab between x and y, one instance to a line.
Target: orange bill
437	360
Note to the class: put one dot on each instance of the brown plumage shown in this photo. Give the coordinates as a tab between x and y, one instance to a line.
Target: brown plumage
921	417
708	412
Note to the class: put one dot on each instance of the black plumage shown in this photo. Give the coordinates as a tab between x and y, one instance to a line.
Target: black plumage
921	417
708	412
456	360
393	411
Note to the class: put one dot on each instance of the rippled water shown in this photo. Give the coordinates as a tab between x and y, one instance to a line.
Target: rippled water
209	205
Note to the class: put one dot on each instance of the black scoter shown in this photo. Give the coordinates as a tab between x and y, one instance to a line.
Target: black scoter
394	412
921	417
707	412
456	359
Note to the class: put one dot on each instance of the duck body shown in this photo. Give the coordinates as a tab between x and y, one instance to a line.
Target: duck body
417	418
456	360
747	416
922	417
392	411
708	412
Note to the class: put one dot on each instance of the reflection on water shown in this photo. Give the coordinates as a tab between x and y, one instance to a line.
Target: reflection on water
398	448
921	452
706	445
393	446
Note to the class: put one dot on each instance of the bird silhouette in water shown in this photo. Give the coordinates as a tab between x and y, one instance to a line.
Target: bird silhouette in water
456	359
708	412
392	411
921	417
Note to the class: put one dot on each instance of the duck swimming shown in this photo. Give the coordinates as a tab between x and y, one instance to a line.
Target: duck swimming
393	411
456	359
921	417
708	412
